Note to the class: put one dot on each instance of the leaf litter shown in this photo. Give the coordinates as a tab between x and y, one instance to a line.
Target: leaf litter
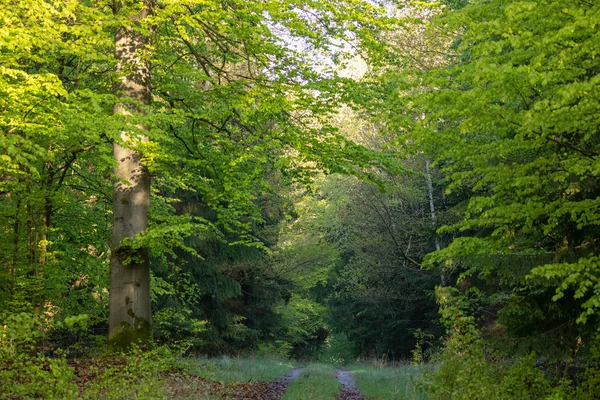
185	386
349	389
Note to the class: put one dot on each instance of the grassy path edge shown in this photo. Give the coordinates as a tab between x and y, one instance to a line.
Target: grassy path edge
316	382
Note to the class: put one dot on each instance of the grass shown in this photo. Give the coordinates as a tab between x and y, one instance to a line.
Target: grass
379	382
238	370
316	382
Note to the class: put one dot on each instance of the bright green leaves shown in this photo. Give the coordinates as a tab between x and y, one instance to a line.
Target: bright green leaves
581	278
40	46
30	104
243	94
522	104
53	117
511	115
240	92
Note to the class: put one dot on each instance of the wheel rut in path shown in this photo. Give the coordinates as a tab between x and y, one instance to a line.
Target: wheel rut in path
276	388
349	389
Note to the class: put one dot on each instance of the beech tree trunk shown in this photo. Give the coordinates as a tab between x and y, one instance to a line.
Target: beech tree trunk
130	320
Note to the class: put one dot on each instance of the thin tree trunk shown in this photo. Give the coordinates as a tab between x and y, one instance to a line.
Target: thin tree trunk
16	240
130	320
48	209
433	219
31	259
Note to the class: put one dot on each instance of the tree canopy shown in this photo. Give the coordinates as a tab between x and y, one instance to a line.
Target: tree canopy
320	179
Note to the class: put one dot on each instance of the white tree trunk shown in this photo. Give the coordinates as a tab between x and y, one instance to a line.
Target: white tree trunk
433	219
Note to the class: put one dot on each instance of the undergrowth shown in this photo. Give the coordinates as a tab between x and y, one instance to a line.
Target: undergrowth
31	369
468	368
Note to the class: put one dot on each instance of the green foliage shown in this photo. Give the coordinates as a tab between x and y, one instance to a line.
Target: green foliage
25	377
173	325
223	302
467	368
278	348
137	375
470	374
470	366
74	336
378	293
423	347
26	372
338	349
233	105
503	98
20	333
587	388
302	325
503	95
522	138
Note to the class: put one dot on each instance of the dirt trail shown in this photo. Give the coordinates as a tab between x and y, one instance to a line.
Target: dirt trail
349	389
275	389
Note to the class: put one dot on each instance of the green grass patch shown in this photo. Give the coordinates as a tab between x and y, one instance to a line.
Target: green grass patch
381	382
238	370
316	382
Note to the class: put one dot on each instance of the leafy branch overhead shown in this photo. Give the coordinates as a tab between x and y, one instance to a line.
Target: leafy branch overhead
312	179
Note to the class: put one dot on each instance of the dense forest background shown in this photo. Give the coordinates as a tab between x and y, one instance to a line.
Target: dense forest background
326	180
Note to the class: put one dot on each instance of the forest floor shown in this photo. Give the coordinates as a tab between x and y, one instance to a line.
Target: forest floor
245	379
193	387
250	379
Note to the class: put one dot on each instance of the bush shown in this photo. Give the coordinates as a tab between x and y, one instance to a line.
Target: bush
136	375
26	373
279	348
468	368
338	349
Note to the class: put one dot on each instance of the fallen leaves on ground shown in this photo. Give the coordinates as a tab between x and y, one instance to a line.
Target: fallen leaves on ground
185	386
348	394
349	389
88	370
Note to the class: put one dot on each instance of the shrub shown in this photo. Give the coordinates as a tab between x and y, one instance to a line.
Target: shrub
338	349
26	373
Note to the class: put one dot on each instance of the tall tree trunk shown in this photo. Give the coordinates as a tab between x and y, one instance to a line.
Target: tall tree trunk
433	219
130	320
16	240
48	209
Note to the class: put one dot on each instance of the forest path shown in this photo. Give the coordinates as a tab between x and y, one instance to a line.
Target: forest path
349	389
276	388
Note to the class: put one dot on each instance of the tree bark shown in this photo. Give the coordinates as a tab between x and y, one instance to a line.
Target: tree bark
16	240
130	321
433	219
48	209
